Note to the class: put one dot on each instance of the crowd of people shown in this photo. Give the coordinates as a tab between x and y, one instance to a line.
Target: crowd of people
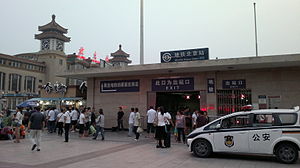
161	125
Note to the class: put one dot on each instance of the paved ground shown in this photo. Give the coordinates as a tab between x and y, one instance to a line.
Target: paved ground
118	151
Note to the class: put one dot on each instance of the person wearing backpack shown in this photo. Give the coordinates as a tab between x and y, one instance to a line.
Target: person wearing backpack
99	125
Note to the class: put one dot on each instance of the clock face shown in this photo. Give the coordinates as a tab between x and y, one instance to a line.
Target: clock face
59	45
45	44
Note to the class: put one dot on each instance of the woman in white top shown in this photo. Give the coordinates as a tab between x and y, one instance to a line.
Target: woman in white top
160	132
60	122
17	122
180	126
81	123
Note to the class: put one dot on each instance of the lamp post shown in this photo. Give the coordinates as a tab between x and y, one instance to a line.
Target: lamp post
142	32
255	27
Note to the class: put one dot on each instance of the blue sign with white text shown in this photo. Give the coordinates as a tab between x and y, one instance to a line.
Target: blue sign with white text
184	55
120	86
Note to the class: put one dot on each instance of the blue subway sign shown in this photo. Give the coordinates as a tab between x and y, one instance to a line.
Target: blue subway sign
119	86
184	55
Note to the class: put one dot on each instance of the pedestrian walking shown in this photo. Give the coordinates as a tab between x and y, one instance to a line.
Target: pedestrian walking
99	125
180	126
74	118
194	118
120	119
26	117
87	121
201	119
160	132
56	111
131	122
15	126
168	127
60	122
36	125
18	123
137	123
51	120
82	123
67	123
151	114
93	117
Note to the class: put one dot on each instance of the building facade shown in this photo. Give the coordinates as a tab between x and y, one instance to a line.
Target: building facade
22	76
19	80
218	86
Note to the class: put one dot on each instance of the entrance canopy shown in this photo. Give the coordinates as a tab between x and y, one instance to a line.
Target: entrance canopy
244	63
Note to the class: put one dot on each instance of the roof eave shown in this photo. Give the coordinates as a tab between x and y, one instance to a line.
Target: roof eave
193	66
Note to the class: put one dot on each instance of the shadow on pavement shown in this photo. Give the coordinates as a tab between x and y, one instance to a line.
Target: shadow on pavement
246	157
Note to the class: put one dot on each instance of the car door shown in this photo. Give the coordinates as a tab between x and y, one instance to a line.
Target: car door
233	134
264	133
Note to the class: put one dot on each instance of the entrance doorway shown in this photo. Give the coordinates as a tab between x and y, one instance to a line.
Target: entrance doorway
174	101
230	101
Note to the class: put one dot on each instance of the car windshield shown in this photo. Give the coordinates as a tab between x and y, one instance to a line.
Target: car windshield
213	125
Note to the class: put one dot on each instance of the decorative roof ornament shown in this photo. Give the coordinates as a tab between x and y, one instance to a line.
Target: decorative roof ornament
120	52
53	18
119	57
52	30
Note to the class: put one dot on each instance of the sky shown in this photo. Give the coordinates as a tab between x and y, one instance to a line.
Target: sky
226	27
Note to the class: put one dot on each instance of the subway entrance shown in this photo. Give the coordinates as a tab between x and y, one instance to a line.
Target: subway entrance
174	101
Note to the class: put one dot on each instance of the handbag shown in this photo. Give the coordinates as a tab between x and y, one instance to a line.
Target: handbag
92	129
139	130
166	129
175	131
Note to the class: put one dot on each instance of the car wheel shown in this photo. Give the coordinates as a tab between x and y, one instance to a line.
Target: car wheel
286	153
202	148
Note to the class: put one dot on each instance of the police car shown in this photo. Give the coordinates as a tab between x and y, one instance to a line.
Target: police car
272	131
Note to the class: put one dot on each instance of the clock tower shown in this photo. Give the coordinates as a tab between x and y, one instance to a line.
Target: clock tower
52	37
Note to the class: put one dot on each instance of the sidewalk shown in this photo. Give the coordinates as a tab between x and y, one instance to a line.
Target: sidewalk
117	151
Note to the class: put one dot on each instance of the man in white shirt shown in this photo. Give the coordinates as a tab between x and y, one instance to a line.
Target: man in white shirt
151	115
67	122
51	120
130	122
74	118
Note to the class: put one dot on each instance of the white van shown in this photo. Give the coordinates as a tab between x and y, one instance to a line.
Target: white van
272	131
